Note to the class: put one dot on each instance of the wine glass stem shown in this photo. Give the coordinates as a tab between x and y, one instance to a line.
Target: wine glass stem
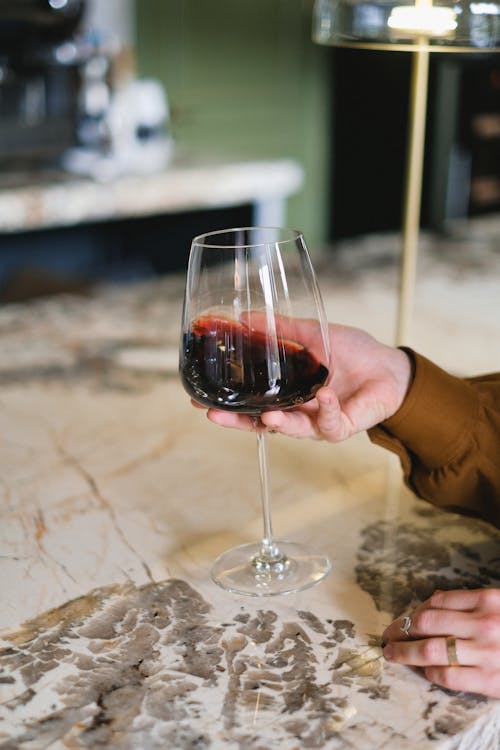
270	551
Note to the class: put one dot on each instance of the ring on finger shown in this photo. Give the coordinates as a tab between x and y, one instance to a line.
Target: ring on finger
451	651
405	627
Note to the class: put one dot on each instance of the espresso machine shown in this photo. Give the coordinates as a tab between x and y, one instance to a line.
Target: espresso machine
39	80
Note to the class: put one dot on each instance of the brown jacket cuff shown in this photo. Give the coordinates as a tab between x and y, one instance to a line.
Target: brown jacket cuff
435	417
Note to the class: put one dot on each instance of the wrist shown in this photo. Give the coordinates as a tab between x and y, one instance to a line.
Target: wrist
403	369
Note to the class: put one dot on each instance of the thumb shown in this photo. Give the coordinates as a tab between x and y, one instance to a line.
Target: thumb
331	422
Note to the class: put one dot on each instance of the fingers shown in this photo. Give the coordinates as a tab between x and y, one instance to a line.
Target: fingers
321	419
230	419
227	419
296	423
304	331
466	614
468	679
451	627
431	622
478	670
292	424
434	652
301	330
485	600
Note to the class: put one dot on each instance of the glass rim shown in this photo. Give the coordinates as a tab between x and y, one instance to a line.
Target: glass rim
201	239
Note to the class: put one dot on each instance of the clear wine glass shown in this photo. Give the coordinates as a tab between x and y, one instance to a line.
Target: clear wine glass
255	338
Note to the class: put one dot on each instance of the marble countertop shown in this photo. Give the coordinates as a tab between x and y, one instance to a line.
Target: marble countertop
116	496
60	199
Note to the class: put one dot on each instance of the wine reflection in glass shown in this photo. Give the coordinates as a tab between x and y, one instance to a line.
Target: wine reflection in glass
254	339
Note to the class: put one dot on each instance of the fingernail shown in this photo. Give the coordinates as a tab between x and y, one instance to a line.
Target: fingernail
387	652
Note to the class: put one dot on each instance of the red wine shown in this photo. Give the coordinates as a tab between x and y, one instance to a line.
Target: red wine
227	366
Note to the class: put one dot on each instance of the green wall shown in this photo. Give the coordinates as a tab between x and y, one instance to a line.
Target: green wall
244	79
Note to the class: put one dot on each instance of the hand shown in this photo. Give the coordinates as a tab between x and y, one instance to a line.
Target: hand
368	385
473	618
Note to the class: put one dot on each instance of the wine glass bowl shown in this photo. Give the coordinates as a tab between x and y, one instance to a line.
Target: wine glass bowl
255	338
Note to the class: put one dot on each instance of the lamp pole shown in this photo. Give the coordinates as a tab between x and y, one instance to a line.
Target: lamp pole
413	191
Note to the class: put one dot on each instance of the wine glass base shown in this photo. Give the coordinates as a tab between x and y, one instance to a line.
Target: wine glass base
240	570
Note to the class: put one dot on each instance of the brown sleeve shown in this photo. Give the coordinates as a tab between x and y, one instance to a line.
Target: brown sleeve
447	436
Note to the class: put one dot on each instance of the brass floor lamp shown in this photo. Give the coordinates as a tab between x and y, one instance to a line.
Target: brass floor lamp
419	27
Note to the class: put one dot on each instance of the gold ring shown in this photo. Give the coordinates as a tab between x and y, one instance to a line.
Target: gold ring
451	650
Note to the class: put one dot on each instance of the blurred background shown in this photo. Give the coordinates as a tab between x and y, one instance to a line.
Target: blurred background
117	115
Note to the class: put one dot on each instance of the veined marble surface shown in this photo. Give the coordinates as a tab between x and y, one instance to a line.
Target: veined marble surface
116	496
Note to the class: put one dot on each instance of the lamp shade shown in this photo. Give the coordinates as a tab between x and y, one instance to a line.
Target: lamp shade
470	26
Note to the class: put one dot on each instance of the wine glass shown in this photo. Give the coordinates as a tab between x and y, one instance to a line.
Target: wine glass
255	338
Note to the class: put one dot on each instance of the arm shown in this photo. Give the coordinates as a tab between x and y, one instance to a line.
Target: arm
445	430
447	436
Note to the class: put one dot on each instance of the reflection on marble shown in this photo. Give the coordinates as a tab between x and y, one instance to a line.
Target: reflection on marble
116	496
